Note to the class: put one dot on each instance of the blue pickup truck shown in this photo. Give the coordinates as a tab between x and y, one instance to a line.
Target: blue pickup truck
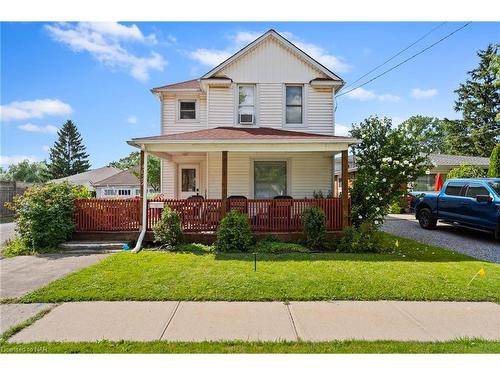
471	202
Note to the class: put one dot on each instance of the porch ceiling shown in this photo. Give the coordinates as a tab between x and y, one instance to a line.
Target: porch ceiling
242	139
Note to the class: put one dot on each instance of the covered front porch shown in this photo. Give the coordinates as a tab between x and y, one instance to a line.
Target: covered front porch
268	174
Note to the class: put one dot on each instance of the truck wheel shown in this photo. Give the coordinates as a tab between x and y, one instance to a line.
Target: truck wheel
426	219
497	233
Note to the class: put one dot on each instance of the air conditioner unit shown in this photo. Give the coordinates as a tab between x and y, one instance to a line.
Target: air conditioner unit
246	119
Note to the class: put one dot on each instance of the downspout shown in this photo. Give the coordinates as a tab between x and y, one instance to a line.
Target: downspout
144	227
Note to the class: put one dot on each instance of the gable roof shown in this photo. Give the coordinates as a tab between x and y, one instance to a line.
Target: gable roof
89	177
191	85
272	33
121	178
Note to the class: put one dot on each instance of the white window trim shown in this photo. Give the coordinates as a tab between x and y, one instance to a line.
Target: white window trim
304	101
251	181
196	110
237	105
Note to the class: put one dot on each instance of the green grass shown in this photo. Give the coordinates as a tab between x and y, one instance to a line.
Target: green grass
457	346
411	271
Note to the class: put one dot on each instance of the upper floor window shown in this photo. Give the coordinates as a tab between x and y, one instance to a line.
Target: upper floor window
246	104
293	104
187	110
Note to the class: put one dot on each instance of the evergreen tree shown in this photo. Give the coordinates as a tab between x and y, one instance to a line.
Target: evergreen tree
68	156
494	170
479	102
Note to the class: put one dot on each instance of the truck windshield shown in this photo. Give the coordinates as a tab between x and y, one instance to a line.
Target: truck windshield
495	185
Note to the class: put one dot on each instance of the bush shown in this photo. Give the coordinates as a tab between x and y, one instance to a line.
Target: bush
44	214
314	227
365	239
399	205
465	171
494	170
168	230
234	234
18	246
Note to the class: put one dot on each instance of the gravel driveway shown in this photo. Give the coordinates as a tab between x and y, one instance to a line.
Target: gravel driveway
476	244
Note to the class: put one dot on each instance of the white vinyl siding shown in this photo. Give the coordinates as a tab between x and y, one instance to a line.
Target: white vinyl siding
270	105
221	102
308	171
271	62
170	122
319	110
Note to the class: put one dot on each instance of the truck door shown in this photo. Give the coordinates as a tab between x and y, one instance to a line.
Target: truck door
450	202
479	214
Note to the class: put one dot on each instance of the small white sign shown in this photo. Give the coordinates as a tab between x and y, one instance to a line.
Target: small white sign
156	204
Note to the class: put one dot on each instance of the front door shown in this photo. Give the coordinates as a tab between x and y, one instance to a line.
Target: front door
188	180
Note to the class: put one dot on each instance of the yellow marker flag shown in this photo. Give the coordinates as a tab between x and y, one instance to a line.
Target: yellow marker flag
397	243
481	273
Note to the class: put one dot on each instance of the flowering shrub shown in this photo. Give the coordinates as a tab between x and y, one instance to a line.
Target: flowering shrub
388	158
44	214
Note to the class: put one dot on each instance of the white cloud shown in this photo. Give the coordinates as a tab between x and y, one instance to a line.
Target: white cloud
48	129
213	57
132	120
210	57
342	130
118	31
46	148
422	94
102	41
389	98
364	95
39	108
14	159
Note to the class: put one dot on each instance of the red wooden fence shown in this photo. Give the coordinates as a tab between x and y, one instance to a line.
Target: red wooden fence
264	215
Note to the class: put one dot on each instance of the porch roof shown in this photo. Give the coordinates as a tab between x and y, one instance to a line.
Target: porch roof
243	139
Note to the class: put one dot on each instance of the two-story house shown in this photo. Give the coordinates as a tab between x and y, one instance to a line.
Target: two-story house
259	125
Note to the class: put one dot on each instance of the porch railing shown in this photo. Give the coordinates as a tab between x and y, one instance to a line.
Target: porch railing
264	215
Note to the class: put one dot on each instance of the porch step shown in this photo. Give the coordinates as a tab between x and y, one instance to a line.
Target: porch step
92	246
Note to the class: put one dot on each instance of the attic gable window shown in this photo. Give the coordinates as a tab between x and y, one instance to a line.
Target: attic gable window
187	110
293	104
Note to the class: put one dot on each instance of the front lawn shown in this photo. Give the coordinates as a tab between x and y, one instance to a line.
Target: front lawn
456	346
411	271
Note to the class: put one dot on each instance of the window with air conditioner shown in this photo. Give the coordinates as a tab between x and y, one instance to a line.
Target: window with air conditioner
246	104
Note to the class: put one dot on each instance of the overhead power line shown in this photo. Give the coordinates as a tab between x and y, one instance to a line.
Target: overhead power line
396	55
406	60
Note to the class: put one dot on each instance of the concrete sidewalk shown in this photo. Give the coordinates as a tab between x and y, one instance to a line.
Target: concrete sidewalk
265	321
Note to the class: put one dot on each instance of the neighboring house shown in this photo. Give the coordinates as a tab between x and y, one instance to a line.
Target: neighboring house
88	178
443	164
123	184
259	125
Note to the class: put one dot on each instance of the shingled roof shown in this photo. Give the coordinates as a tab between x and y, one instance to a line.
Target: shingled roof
193	84
121	178
234	133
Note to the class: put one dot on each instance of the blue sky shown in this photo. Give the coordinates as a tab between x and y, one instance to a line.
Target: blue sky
99	75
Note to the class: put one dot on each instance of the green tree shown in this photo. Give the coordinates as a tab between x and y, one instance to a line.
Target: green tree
479	102
132	161
27	171
466	171
457	140
494	170
429	131
68	155
388	159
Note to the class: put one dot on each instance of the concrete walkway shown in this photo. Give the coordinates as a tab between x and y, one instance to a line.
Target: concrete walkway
265	321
